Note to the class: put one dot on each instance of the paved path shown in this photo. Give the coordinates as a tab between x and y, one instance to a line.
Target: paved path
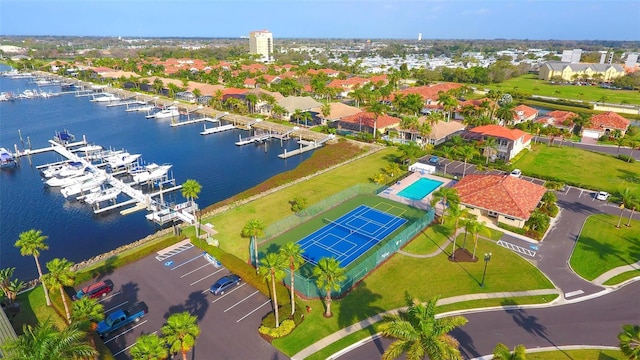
615	272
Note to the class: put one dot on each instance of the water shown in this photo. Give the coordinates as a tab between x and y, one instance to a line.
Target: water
419	189
75	232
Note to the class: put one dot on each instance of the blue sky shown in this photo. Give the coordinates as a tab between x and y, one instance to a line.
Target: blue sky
397	19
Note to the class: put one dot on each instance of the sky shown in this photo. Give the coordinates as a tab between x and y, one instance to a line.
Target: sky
345	19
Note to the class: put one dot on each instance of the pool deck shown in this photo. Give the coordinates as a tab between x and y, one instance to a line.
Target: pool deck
425	203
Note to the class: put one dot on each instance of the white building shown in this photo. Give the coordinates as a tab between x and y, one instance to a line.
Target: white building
261	43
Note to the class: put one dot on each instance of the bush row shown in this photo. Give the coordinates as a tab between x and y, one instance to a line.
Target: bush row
513	229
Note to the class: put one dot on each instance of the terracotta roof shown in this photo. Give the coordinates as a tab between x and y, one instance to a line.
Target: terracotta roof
205	89
524	112
367	119
609	120
477	102
504	194
501	132
429	91
557	118
338	111
234	91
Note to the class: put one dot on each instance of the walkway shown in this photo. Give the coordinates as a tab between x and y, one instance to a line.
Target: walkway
600	280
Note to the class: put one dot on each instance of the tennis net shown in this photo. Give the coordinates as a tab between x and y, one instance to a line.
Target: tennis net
351	230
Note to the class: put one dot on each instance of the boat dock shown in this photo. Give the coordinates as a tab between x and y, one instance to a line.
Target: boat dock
217	129
304	147
252	139
125	102
215	119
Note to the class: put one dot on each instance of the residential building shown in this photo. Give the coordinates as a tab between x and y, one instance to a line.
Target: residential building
338	111
569	71
440	133
523	113
302	103
261	43
605	124
366	122
559	119
510	141
508	199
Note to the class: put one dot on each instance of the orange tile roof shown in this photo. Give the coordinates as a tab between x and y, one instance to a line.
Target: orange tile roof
557	118
527	112
609	120
504	194
367	119
428	92
234	91
501	132
477	102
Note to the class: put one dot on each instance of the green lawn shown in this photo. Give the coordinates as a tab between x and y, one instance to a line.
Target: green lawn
423	278
618	279
577	354
579	168
428	242
34	310
530	84
602	247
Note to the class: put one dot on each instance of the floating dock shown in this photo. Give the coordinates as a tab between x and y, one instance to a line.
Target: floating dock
217	129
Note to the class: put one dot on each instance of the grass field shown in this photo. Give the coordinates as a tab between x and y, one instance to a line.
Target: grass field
530	84
579	168
602	247
618	279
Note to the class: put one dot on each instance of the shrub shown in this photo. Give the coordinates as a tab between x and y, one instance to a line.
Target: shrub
283	330
511	228
270	319
626	158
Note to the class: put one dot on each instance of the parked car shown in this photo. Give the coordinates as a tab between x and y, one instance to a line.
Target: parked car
224	283
120	318
516	173
93	291
434	159
602	195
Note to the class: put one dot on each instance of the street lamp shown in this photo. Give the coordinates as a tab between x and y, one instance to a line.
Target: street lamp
487	258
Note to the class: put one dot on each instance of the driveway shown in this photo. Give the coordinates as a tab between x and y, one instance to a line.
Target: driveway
177	281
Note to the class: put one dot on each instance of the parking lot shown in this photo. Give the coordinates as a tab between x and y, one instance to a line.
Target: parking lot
178	279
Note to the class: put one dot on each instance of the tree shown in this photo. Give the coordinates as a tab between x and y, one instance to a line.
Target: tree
490	144
476	228
630	200
502	352
377	109
457	213
45	342
87	312
190	190
630	341
329	276
620	141
393	169
447	152
252	100
181	332
31	243
419	333
379	178
149	347
633	145
448	196
506	112
298	203
59	276
467	152
254	229
5	279
273	270
292	253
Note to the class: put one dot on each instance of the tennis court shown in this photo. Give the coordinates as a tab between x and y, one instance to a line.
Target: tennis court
349	236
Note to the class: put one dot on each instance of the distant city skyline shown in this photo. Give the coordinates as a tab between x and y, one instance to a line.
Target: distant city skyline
345	19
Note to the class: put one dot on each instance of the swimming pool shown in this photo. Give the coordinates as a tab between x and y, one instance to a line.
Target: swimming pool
419	189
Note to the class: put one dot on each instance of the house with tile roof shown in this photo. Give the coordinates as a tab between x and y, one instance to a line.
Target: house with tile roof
338	111
523	113
510	141
439	134
559	119
429	93
605	124
568	71
302	103
367	123
507	199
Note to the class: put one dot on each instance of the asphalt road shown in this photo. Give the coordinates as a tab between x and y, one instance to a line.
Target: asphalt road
178	283
592	322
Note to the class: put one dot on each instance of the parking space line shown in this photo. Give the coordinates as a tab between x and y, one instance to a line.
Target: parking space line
227	293
516	248
115	307
204	278
130	346
186	262
241	301
109	297
173	252
128	330
254	310
192	271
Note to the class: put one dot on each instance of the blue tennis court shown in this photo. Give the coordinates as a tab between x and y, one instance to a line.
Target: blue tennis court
349	236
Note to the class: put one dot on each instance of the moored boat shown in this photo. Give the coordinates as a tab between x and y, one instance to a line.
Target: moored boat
168	112
152	172
102	195
84	186
6	158
68	180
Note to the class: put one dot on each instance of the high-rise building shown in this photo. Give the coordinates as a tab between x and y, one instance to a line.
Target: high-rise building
632	61
261	43
419	36
571	56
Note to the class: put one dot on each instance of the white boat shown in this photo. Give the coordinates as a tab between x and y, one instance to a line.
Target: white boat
152	172
88	149
68	180
84	186
64	170
105	97
169	112
102	195
145	108
6	158
122	159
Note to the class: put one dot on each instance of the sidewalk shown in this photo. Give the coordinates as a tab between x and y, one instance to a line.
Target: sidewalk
328	340
600	280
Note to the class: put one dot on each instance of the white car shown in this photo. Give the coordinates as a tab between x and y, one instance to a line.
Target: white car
602	195
516	173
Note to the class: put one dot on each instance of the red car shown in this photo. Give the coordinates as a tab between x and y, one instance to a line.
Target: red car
93	291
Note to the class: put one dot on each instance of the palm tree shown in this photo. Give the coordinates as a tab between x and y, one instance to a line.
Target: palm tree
448	197
630	200
620	142
181	332
254	229
31	243
251	99
273	269
447	152
149	347
506	112
292	252
190	190
393	169
467	152
633	145
502	352
59	276
377	109
630	341
490	143
88	312
45	342
419	333
326	110
457	213
5	279
12	290
476	228
329	276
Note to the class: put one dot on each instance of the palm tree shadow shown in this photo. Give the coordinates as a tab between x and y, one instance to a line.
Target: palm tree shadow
106	269
358	306
467	348
196	304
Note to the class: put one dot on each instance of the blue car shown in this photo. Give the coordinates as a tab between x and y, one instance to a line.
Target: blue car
224	283
434	159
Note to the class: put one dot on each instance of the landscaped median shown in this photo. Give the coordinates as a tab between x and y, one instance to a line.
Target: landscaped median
602	246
